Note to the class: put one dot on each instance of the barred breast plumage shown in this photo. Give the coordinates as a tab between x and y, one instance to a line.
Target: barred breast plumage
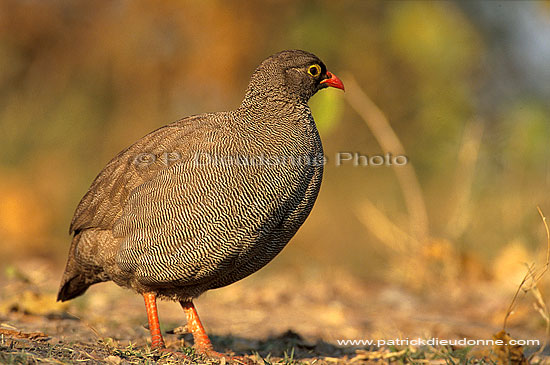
207	200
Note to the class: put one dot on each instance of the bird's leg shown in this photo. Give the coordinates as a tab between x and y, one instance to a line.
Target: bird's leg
194	325
157	342
202	342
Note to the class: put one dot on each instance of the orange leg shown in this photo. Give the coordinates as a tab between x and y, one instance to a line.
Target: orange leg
194	325
153	318
202	342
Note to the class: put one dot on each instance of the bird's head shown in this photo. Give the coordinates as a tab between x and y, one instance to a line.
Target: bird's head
296	74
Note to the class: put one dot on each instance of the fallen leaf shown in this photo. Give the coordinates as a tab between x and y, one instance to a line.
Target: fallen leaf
506	353
20	334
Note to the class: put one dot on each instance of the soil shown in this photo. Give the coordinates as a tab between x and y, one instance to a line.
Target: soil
285	317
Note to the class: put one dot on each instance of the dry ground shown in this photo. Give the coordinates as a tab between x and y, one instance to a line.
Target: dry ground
282	318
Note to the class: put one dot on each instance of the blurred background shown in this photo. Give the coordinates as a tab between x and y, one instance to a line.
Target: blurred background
464	86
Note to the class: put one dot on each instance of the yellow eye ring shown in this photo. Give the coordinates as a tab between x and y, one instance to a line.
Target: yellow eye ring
314	70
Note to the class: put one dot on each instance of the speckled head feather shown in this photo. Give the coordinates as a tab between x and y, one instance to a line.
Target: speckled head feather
285	74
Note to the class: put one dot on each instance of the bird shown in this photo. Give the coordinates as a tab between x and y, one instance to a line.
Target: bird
207	200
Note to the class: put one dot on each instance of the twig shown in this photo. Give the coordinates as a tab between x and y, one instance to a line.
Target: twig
547	246
540	305
383	228
388	140
534	276
96	333
513	302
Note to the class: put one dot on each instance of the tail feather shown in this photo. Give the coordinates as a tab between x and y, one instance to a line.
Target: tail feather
72	288
74	281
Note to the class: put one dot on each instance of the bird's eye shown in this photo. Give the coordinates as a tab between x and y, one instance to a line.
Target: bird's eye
314	70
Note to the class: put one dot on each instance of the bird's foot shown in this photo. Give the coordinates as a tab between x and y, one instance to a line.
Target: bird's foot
173	353
210	353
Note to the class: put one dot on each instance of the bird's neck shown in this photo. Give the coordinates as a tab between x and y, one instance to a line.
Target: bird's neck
274	109
271	102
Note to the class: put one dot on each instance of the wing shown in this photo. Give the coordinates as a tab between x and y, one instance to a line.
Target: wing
102	205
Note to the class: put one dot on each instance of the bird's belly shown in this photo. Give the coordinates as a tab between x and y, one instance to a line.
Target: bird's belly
268	245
